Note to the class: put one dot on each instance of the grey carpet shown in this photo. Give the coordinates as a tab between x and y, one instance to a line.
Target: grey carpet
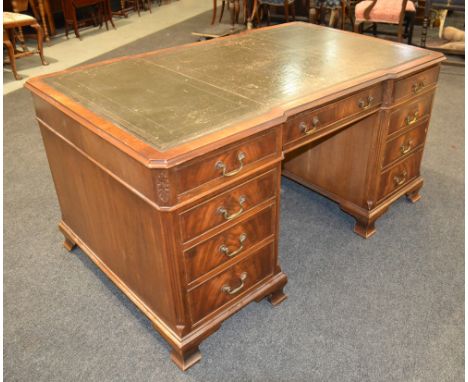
387	309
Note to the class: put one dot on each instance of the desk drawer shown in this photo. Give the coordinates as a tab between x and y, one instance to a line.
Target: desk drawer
415	84
228	162
399	175
311	121
405	144
410	113
228	206
228	245
232	283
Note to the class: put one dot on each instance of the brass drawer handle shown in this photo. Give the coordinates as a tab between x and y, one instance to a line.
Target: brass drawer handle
306	130
418	86
399	180
223	211
363	105
406	148
221	166
411	120
225	250
228	290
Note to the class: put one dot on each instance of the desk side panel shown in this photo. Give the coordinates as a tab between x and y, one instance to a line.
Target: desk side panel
115	224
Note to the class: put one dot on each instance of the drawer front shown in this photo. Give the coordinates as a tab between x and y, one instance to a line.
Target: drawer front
411	113
232	283
228	162
228	206
405	144
415	84
229	244
399	175
311	121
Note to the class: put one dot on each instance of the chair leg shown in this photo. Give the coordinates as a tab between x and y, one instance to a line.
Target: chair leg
40	48
22	40
109	13
137	3
333	14
11	57
223	4
412	19
215	6
75	25
357	27
343	13
43	17
286	11
351	20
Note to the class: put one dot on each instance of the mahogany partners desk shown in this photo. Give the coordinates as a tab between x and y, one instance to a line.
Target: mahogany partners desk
167	165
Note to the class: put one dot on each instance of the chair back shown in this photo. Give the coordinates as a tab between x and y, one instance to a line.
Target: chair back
19	5
390	5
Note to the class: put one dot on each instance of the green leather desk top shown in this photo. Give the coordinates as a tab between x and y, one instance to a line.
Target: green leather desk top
170	97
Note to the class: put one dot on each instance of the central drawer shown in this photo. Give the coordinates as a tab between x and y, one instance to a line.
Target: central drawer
232	283
311	121
229	206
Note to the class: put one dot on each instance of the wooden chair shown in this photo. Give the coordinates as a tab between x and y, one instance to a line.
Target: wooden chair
342	9
42	13
11	23
387	12
69	8
236	5
287	5
133	5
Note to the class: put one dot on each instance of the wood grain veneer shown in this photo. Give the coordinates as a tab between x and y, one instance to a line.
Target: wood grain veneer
162	159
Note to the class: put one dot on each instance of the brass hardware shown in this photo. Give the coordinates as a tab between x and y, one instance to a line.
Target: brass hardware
417	87
221	166
223	211
227	289
399	180
306	130
225	250
411	120
362	104
406	148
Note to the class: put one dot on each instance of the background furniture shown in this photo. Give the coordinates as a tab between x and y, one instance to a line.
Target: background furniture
133	5
69	12
453	5
180	209
386	12
285	5
223	5
340	10
12	21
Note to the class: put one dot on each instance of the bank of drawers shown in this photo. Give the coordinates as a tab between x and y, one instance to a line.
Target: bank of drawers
406	133
229	243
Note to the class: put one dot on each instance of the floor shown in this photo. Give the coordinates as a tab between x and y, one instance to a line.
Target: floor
62	53
390	308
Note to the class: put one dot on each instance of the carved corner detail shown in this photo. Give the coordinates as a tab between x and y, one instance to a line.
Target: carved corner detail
163	187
